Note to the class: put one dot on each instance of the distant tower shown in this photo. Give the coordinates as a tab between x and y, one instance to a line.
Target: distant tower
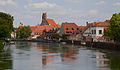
44	19
44	16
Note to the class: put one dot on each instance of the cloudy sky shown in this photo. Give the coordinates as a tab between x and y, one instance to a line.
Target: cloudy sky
29	12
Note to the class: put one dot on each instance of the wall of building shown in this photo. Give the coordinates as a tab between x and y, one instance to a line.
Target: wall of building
61	31
87	32
96	34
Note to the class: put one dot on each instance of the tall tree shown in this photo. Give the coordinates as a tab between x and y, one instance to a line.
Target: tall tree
113	31
23	32
6	24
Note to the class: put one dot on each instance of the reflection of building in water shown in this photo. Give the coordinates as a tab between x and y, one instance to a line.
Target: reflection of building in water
69	53
101	60
46	58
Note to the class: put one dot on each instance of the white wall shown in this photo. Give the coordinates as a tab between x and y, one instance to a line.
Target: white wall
87	32
94	36
97	31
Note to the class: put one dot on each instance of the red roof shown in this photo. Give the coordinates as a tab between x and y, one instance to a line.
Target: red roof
81	27
51	22
40	28
99	24
101	38
69	28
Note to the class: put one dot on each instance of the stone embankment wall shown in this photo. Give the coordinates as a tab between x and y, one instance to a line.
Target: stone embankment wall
104	45
71	42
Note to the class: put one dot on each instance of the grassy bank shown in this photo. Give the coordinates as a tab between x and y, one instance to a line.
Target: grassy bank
1	45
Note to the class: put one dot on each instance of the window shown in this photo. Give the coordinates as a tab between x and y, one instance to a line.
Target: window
35	28
72	28
94	31
66	28
67	32
100	31
77	28
70	32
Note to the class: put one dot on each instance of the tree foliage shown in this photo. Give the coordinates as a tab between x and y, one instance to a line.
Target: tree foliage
113	31
57	36
1	46
64	36
23	32
6	25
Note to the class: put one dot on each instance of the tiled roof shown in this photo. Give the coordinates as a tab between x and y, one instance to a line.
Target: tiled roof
40	28
29	37
58	25
101	38
99	24
69	28
20	26
51	22
81	27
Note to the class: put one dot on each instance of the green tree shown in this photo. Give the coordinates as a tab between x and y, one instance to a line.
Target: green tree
64	36
1	45
113	31
23	32
6	25
57	36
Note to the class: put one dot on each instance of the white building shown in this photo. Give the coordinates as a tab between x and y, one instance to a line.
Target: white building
96	29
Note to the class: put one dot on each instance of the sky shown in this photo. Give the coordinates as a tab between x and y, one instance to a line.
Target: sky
29	12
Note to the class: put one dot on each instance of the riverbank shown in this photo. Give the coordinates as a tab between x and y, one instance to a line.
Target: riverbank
34	40
102	45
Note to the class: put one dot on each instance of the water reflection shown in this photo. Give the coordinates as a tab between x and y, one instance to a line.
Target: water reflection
5	61
51	56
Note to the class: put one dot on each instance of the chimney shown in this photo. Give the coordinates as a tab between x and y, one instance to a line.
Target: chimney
107	21
87	23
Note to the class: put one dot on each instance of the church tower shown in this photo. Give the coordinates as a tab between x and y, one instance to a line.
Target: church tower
44	19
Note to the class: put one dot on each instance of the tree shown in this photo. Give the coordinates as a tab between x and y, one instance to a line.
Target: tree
6	25
1	45
23	32
64	36
113	31
57	36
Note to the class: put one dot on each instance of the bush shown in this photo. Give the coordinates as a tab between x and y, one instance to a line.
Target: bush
1	46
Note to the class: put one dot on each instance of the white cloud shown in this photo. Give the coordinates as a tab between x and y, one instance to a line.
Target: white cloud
74	1
93	11
116	4
43	5
1	10
100	3
51	9
6	2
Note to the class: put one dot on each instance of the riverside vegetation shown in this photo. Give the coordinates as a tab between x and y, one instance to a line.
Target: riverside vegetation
6	27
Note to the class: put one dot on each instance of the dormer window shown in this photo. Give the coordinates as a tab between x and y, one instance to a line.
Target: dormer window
67	32
67	29
72	28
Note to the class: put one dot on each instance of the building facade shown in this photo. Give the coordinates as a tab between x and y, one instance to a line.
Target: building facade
96	29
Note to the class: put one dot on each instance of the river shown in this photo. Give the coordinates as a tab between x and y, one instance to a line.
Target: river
53	56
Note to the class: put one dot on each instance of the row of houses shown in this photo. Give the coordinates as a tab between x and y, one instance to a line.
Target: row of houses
91	32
